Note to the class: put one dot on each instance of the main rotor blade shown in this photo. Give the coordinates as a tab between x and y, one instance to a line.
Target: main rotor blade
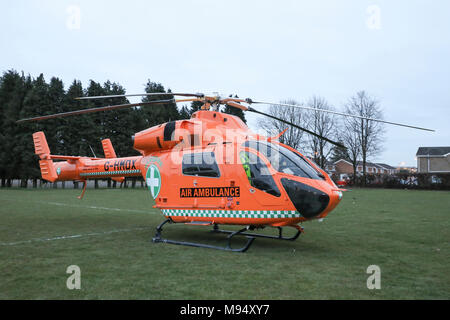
155	94
339	113
240	106
298	127
91	110
236	105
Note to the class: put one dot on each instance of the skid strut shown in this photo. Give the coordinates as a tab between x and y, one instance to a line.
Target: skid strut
158	238
257	235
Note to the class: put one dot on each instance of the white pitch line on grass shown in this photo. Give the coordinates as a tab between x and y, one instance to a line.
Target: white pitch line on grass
94	207
72	236
78	206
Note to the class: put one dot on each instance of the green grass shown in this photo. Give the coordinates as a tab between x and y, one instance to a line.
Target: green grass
405	233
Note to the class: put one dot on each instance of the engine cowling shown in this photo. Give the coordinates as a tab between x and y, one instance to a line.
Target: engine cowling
164	136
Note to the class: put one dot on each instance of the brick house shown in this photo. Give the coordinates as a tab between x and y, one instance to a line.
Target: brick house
433	159
385	168
344	168
330	168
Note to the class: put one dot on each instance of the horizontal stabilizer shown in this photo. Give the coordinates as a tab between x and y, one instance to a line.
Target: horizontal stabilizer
48	170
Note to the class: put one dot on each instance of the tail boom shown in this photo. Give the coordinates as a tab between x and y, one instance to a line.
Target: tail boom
83	168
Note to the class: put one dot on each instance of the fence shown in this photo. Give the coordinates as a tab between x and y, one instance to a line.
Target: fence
134	182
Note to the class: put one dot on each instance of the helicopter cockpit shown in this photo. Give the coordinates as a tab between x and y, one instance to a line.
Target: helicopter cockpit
308	200
284	160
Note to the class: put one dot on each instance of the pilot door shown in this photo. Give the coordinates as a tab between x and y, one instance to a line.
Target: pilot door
258	178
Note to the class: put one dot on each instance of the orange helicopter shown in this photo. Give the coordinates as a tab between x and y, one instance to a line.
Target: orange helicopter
210	170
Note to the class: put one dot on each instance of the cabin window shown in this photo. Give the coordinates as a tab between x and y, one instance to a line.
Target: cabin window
258	173
200	164
285	161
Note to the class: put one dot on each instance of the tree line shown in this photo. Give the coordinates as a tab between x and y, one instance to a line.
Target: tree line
22	96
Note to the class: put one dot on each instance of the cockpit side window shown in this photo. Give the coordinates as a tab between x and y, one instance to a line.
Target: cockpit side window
284	160
313	171
258	173
202	164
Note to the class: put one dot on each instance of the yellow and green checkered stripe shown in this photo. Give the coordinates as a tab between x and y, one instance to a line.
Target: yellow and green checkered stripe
108	173
231	213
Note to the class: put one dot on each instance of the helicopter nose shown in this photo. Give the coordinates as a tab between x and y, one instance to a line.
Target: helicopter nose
309	201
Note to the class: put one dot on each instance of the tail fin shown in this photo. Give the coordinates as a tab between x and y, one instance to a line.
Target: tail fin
41	148
110	153
40	145
108	149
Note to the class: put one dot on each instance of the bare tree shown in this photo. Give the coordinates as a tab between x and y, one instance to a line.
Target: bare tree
368	134
293	137
323	124
349	137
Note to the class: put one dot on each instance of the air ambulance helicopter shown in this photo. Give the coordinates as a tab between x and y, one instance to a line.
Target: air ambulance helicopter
210	170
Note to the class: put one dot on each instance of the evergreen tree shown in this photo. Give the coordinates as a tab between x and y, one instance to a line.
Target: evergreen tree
56	95
36	102
94	123
185	113
339	153
112	118
120	124
13	88
235	112
72	133
2	133
195	106
161	113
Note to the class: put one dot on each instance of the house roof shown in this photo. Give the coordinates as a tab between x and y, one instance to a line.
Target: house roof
386	166
344	161
433	151
370	164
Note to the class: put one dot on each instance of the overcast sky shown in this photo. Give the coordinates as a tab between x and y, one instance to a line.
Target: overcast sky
398	51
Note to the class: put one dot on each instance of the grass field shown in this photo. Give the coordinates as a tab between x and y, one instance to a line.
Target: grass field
108	233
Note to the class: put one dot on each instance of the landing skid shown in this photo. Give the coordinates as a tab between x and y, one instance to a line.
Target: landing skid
158	238
250	236
256	235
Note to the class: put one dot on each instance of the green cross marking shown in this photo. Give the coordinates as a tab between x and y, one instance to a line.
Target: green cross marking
153	179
